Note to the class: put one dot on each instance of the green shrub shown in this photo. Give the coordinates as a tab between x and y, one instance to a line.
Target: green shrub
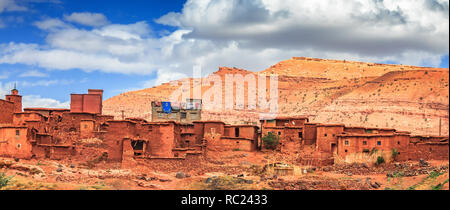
271	141
380	160
4	180
374	150
395	153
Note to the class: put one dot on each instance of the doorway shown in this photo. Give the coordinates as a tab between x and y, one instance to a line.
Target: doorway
334	148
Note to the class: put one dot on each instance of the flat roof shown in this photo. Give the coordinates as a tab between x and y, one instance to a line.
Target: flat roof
13	126
241	126
330	125
371	135
46	109
209	122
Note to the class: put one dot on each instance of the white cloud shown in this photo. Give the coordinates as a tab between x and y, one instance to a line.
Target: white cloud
36	101
246	34
52	24
33	73
10	5
45	83
87	18
33	101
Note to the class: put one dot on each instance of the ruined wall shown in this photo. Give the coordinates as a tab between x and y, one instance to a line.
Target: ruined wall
87	129
7	111
292	139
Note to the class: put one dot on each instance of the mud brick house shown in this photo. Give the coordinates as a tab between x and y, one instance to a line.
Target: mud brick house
88	103
291	131
331	140
219	136
179	135
186	112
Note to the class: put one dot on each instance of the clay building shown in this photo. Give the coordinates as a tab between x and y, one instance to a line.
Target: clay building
14	142
58	134
11	105
331	140
186	112
219	136
87	103
291	131
46	112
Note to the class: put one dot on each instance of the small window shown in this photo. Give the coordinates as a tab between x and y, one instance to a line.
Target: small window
346	151
379	143
279	133
398	143
183	115
326	135
236	132
347	143
300	135
364	142
17	132
334	135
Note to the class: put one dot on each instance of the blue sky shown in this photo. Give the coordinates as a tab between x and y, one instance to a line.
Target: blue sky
52	48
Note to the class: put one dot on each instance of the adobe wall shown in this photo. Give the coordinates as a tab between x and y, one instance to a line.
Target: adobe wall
13	145
366	143
87	129
327	136
163	140
7	111
230	144
22	118
310	134
429	151
89	103
248	132
292	139
17	100
117	131
92	104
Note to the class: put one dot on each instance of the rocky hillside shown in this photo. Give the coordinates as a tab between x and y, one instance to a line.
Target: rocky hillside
407	98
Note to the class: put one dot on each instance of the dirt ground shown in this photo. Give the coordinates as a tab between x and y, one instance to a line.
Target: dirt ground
223	171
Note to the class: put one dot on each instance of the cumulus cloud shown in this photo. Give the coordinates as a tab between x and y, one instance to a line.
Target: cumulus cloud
33	101
250	34
87	18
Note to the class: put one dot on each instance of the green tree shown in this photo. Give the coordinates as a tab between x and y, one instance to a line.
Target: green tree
271	141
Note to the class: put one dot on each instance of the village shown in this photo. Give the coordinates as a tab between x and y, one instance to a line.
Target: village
177	139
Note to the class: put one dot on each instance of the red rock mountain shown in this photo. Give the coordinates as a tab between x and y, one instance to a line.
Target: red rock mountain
407	98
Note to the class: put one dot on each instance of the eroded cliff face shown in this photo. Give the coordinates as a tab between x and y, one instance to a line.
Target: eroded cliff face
407	98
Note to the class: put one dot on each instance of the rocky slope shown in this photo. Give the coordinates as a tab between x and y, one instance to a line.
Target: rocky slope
407	98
